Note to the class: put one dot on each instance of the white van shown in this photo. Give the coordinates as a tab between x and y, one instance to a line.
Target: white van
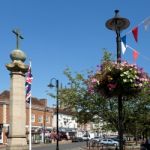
88	136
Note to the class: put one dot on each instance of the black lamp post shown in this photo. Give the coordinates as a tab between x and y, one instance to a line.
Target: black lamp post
45	112
57	107
118	24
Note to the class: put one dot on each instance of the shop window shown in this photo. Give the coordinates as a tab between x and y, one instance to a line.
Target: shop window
47	119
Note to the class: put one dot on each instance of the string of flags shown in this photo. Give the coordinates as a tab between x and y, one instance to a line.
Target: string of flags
134	32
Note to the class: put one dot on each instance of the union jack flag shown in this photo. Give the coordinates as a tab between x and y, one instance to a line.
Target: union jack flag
28	83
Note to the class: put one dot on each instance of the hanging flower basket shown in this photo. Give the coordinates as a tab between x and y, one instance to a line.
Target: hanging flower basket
113	79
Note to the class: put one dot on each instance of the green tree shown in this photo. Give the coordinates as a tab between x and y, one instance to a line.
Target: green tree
93	107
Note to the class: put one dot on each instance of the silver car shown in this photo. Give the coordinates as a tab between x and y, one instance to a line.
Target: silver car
109	142
96	139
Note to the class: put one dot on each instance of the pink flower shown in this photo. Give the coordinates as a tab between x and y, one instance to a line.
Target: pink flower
94	80
112	86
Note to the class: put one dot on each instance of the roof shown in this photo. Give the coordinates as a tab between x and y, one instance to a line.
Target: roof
64	111
4	96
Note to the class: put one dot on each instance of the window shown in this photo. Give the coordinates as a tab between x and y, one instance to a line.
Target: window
40	119
33	118
47	119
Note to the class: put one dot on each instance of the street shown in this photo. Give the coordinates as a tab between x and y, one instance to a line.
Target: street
68	146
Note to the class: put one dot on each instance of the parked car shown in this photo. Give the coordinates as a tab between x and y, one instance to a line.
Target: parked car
109	142
96	139
77	139
117	139
86	137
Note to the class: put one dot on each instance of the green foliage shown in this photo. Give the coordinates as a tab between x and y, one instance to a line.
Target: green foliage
107	56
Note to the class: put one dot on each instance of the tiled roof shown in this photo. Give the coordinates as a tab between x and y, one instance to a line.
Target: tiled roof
40	102
4	96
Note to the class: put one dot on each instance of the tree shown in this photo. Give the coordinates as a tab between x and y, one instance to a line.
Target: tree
92	107
87	107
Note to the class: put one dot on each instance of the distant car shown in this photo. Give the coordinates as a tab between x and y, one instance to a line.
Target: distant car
109	142
77	139
86	137
96	139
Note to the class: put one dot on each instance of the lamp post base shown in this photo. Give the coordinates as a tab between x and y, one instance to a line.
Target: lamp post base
57	148
120	131
57	145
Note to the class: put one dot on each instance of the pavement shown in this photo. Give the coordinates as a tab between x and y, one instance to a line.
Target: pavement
3	147
42	145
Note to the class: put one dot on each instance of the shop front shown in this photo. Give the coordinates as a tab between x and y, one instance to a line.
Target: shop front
67	133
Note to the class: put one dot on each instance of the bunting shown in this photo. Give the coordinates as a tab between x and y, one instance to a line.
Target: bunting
135	55
146	23
123	44
123	48
135	33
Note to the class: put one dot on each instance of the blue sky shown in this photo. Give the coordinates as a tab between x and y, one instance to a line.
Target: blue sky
67	33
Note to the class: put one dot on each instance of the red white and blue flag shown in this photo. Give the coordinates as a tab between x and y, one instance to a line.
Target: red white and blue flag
28	83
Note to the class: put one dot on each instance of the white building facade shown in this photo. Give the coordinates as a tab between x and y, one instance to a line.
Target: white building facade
66	123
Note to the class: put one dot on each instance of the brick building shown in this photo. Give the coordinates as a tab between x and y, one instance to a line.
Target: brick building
43	119
42	116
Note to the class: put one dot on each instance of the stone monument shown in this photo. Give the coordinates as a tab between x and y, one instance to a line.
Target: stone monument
17	133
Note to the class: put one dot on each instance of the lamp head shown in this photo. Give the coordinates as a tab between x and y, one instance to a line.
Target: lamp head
117	22
50	85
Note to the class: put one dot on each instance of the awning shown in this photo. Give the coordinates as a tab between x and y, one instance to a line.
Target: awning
67	129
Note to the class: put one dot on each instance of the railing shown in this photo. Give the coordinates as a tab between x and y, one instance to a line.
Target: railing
93	145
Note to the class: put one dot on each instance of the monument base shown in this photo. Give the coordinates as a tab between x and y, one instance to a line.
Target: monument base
17	144
17	147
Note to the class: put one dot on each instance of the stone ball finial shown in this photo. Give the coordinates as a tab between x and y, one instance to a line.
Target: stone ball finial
18	55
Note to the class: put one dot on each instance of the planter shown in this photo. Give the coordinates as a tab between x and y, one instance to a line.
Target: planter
113	79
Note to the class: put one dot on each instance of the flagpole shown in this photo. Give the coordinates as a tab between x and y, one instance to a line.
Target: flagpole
29	101
30	125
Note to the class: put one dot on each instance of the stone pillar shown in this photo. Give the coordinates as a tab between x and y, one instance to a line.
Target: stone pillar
17	133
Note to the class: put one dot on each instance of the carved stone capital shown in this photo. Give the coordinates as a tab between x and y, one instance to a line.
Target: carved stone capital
17	66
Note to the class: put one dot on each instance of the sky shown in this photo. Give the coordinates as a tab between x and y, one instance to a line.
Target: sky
68	33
